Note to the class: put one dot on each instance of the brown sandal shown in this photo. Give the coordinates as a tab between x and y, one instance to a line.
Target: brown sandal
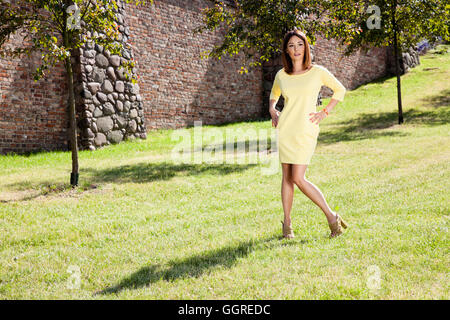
288	232
336	227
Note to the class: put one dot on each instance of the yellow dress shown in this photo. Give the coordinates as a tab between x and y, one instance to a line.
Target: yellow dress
297	134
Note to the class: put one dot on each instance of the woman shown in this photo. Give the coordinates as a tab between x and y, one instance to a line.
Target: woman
298	125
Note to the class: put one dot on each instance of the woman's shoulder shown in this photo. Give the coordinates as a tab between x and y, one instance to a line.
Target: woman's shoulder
280	72
322	69
319	67
313	66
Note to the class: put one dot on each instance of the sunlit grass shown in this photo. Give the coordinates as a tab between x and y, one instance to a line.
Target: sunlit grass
142	226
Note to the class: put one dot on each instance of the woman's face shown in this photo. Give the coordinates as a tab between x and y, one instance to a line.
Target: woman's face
296	48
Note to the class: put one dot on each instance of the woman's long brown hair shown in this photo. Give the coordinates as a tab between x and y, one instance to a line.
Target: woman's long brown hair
287	61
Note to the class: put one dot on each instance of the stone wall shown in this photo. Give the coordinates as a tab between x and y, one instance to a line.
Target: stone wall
409	59
175	86
110	107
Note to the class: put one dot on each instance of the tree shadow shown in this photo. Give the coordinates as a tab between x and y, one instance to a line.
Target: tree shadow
364	126
435	112
379	80
258	145
137	173
371	125
25	190
197	265
437	101
149	172
236	122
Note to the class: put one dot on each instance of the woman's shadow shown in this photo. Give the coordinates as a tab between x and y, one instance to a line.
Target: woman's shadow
196	265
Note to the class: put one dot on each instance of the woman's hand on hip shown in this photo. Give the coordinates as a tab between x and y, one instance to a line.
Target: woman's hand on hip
317	116
275	114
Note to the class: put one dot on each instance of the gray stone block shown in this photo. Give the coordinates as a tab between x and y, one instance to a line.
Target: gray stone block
111	73
105	124
120	86
98	112
108	109
98	75
100	139
102	97
107	86
119	105
93	87
114	60
115	136
101	61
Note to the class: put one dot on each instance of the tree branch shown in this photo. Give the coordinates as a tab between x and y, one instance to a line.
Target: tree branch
86	10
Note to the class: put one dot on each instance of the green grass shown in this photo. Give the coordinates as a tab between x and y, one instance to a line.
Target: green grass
142	226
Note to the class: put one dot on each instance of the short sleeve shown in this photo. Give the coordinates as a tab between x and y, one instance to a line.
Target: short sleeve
276	89
329	80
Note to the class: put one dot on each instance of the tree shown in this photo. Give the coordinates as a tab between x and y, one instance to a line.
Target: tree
257	27
57	28
396	23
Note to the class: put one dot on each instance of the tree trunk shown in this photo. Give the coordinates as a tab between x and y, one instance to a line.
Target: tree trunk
72	116
397	66
73	125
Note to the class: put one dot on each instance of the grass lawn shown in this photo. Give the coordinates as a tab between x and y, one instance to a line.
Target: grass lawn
142	226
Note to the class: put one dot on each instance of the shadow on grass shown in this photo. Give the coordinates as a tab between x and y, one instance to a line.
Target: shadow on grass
437	101
365	126
148	172
379	80
197	265
370	125
243	146
25	190
137	173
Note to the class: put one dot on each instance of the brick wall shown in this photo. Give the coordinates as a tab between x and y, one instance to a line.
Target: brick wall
352	71
176	86
33	115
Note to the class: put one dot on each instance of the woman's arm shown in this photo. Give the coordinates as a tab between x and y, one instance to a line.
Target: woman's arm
274	113
272	105
329	80
333	102
319	116
273	99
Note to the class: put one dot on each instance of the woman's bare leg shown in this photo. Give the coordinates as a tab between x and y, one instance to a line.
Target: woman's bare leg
311	191
287	191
